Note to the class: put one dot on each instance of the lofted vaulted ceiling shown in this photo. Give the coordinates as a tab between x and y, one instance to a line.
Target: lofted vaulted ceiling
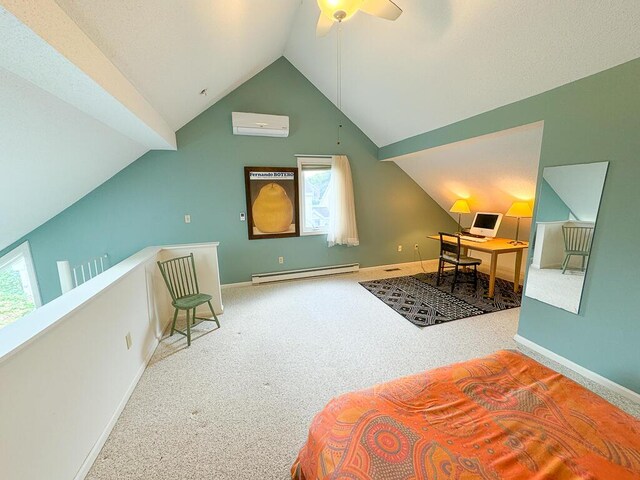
119	76
446	60
171	50
491	172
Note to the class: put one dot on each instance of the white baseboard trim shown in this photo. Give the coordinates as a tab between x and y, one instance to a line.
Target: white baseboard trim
237	284
503	273
432	263
429	262
95	451
279	276
599	379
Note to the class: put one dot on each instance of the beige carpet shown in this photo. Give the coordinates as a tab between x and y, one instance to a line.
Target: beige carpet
238	402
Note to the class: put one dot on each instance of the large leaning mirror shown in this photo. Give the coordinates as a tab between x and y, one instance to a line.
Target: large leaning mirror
568	204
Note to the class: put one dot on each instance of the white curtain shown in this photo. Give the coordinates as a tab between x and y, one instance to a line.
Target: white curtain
342	209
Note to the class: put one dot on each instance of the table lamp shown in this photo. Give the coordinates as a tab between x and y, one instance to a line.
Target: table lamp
519	210
460	206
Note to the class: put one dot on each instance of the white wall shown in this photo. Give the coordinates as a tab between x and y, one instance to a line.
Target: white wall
579	187
64	387
491	171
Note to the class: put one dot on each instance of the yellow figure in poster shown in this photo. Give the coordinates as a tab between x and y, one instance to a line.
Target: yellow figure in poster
272	209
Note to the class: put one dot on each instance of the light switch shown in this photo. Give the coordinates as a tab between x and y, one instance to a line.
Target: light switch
187	219
243	217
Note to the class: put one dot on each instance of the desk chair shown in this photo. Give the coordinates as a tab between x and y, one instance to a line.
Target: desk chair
577	241
450	252
180	277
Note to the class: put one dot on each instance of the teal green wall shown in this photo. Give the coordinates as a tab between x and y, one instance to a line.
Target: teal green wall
145	203
590	120
551	208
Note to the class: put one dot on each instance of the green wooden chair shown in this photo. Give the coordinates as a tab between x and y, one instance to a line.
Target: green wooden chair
577	242
180	276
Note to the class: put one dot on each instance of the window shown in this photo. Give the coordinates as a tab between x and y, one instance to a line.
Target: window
19	293
315	174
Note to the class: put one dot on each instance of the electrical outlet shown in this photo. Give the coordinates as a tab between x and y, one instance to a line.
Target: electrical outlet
281	260
187	218
399	248
415	246
128	340
243	217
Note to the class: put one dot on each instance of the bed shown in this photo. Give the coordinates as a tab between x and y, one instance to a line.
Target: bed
504	416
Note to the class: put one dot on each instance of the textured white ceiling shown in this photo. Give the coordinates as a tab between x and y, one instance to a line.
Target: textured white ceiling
491	171
446	60
442	61
171	49
45	47
51	155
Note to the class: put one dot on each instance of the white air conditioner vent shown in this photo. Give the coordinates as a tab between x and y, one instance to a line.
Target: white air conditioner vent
259	124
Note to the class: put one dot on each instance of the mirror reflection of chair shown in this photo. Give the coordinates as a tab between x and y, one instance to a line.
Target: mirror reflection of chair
179	274
451	253
569	199
577	242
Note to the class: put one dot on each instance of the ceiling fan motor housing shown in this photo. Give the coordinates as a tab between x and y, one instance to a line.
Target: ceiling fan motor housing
339	10
339	15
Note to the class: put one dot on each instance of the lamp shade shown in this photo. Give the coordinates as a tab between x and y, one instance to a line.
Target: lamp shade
460	206
520	210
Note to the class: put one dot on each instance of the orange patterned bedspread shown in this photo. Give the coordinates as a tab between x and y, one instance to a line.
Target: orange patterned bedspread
504	416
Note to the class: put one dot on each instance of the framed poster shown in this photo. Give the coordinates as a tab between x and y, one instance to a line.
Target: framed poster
272	202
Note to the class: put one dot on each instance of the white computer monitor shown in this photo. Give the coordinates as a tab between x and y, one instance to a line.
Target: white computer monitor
486	224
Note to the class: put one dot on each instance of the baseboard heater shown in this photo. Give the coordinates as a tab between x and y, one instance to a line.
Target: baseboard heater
303	273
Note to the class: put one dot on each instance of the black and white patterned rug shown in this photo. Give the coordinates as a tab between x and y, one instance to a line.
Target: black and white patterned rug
417	298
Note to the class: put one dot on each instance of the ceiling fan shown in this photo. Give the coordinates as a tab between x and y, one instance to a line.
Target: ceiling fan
336	11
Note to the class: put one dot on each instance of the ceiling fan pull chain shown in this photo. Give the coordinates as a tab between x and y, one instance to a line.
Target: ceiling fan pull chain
339	74
339	66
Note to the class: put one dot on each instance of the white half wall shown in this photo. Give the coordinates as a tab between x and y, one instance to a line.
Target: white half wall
65	369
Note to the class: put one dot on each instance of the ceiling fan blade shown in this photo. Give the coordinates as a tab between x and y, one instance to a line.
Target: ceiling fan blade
324	25
381	8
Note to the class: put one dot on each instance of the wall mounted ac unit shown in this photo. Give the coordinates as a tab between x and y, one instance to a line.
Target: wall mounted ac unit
260	124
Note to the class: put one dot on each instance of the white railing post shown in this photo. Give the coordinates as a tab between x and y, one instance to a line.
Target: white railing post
64	273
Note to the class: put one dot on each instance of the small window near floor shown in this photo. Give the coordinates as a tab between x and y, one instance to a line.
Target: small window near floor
19	293
315	174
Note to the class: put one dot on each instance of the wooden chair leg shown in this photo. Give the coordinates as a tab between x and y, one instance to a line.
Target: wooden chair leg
438	276
188	330
173	325
565	264
215	317
583	262
455	279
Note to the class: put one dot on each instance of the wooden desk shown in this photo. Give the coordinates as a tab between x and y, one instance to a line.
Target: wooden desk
495	247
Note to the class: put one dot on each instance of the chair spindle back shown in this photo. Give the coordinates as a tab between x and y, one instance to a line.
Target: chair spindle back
180	276
447	247
577	239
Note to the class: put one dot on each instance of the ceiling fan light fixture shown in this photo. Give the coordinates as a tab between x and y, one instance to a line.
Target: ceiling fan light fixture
339	10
